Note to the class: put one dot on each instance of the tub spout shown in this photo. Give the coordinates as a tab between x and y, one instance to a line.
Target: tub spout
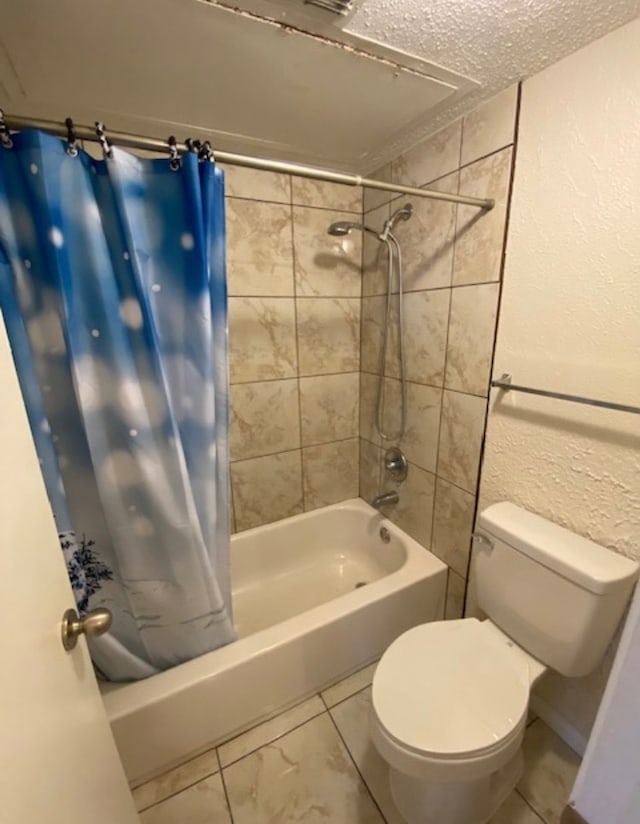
385	498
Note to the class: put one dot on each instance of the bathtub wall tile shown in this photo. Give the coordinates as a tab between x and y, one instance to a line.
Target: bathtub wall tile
329	407
264	418
266	489
374	254
294	337
330	473
372	198
328	335
325	266
452	258
260	253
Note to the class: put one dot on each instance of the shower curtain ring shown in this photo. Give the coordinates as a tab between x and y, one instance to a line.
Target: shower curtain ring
72	141
102	139
174	157
193	145
206	152
5	134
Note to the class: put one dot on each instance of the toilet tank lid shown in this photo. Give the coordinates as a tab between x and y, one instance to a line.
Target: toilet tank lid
578	559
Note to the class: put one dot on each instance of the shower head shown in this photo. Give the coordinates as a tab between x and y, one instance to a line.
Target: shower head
345	227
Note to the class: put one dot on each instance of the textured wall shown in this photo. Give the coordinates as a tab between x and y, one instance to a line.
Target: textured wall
452	267
570	313
294	344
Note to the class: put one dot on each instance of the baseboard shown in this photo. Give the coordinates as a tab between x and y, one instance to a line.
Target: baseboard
559	725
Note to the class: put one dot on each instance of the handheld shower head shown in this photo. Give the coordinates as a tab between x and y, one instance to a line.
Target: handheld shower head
403	213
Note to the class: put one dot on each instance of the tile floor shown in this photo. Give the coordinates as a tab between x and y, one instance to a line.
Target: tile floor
314	763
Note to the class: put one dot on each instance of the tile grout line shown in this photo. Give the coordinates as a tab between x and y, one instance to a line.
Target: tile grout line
532	808
297	335
224	787
353	761
293	449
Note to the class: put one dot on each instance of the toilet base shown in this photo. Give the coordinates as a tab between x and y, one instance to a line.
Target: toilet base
457	802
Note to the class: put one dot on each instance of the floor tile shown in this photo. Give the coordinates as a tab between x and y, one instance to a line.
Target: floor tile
175	780
550	769
348	686
268	731
515	810
203	803
352	719
306	776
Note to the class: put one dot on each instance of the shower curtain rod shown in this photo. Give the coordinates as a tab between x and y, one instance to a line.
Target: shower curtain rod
299	170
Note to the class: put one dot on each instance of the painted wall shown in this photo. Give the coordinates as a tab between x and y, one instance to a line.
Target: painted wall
452	269
570	315
294	339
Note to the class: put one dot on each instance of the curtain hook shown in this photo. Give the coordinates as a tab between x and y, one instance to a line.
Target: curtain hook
206	152
102	139
193	145
5	134
72	141
174	157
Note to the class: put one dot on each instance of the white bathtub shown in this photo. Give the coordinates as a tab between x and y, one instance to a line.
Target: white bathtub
315	597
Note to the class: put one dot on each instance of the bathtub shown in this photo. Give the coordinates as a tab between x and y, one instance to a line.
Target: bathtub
315	597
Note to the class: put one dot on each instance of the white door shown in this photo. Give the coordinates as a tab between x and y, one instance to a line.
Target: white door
59	764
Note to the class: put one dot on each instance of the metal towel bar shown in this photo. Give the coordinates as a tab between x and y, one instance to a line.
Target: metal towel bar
504	382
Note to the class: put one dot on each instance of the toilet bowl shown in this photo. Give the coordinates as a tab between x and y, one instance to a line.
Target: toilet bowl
451	727
450	698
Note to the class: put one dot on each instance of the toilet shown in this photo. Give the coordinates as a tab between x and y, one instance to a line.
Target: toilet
450	698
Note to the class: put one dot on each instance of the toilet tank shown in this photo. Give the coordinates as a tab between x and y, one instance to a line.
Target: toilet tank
558	595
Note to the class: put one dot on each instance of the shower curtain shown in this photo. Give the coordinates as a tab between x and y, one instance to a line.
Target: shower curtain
113	291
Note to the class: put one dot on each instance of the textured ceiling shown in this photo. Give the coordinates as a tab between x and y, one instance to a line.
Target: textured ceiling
496	42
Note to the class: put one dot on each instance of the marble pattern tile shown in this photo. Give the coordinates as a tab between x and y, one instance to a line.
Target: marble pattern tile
373	313
427	239
269	731
461	433
472	325
330	473
426	318
204	803
255	184
325	266
264	418
329	407
369	407
489	127
352	718
323	194
372	198
454	604
266	489
259	248
349	686
432	158
370	470
479	234
175	780
414	511
374	254
452	525
420	440
550	772
262	339
515	810
306	776
328	335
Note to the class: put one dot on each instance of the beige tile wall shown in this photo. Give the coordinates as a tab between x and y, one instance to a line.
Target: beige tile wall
294	345
452	268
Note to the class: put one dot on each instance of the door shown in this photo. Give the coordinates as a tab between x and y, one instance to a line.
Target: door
59	763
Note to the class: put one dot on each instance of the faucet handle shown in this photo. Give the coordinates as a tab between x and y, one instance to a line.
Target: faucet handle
396	463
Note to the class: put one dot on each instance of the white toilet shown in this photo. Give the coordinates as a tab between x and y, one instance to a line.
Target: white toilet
450	698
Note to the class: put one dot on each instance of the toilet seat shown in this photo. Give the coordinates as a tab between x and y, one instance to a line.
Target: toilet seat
449	692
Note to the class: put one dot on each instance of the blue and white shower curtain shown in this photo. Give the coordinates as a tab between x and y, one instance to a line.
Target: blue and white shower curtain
113	291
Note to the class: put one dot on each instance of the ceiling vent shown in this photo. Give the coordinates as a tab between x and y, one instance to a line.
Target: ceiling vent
341	7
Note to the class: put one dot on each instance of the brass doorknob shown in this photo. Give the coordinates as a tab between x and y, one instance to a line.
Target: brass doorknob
94	623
